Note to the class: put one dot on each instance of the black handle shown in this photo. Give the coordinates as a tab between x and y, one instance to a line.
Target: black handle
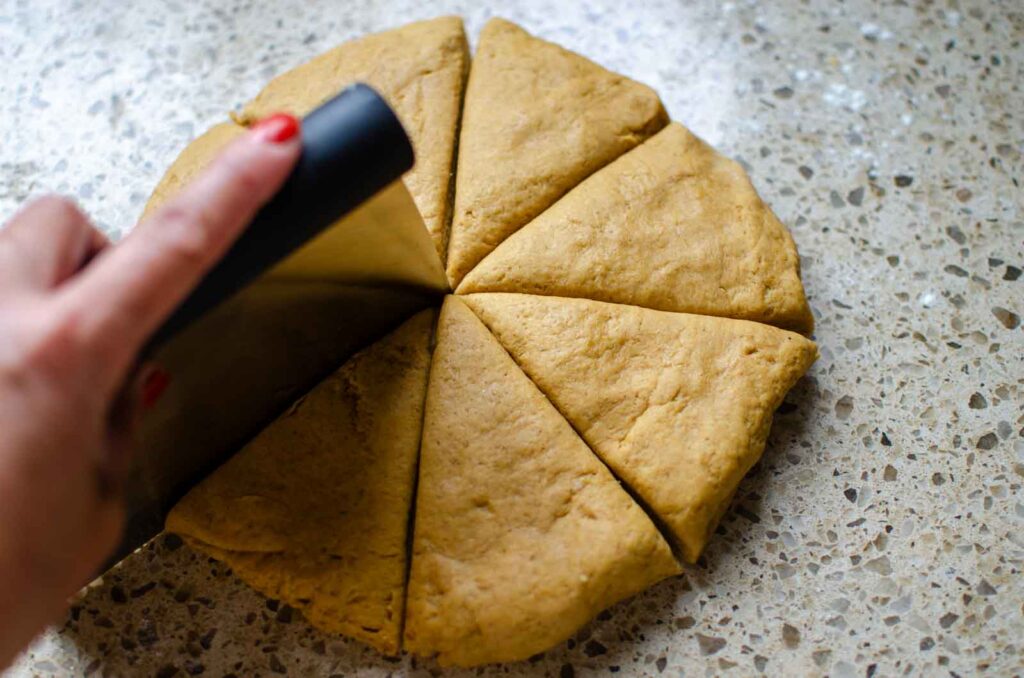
352	147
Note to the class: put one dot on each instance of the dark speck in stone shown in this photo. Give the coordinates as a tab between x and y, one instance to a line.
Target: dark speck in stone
660	664
686	622
167	671
207	639
805	171
790	636
272	604
709	645
1009	319
784	92
284	615
953	269
943	90
748	514
567	671
850	494
977	402
172	542
593	648
988	441
889	473
948	620
276	666
902	180
836	199
117	594
985	589
886	441
956	234
142	590
856	196
926	643
1012	273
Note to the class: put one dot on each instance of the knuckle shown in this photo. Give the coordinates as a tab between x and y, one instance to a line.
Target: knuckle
54	344
60	208
184	234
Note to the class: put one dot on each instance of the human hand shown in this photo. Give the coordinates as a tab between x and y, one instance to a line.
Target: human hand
74	313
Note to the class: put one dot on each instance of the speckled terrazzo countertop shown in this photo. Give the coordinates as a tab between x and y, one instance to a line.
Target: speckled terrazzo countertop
883	532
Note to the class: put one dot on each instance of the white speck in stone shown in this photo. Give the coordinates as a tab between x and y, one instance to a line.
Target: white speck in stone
870	30
953	18
901	604
801	74
916	621
844	670
926	299
907	119
841	96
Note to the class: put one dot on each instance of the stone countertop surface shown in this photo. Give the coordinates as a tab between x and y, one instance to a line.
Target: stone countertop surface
882	533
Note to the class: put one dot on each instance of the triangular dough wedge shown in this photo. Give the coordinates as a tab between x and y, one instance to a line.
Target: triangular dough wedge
421	70
521	533
671	225
538	119
315	509
679	406
190	162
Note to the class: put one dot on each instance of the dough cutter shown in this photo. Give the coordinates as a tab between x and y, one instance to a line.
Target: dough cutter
339	257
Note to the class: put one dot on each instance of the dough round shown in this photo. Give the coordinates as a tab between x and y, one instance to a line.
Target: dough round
575	419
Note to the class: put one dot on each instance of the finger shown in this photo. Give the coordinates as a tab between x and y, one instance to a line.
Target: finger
133	287
139	395
106	527
46	243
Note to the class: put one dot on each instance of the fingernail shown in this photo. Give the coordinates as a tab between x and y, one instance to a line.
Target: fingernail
277	128
153	386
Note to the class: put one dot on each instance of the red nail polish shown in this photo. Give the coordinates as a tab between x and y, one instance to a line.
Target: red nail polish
153	386
277	128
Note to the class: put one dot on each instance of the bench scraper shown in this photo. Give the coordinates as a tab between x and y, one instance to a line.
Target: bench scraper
336	259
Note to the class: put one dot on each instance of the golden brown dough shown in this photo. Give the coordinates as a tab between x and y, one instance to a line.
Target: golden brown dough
521	533
679	406
538	119
671	225
420	68
192	159
314	510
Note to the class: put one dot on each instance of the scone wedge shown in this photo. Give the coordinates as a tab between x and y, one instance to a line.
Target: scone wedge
521	533
671	225
420	69
314	510
538	119
679	406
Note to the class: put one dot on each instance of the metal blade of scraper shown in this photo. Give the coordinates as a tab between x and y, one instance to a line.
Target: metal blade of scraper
299	294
